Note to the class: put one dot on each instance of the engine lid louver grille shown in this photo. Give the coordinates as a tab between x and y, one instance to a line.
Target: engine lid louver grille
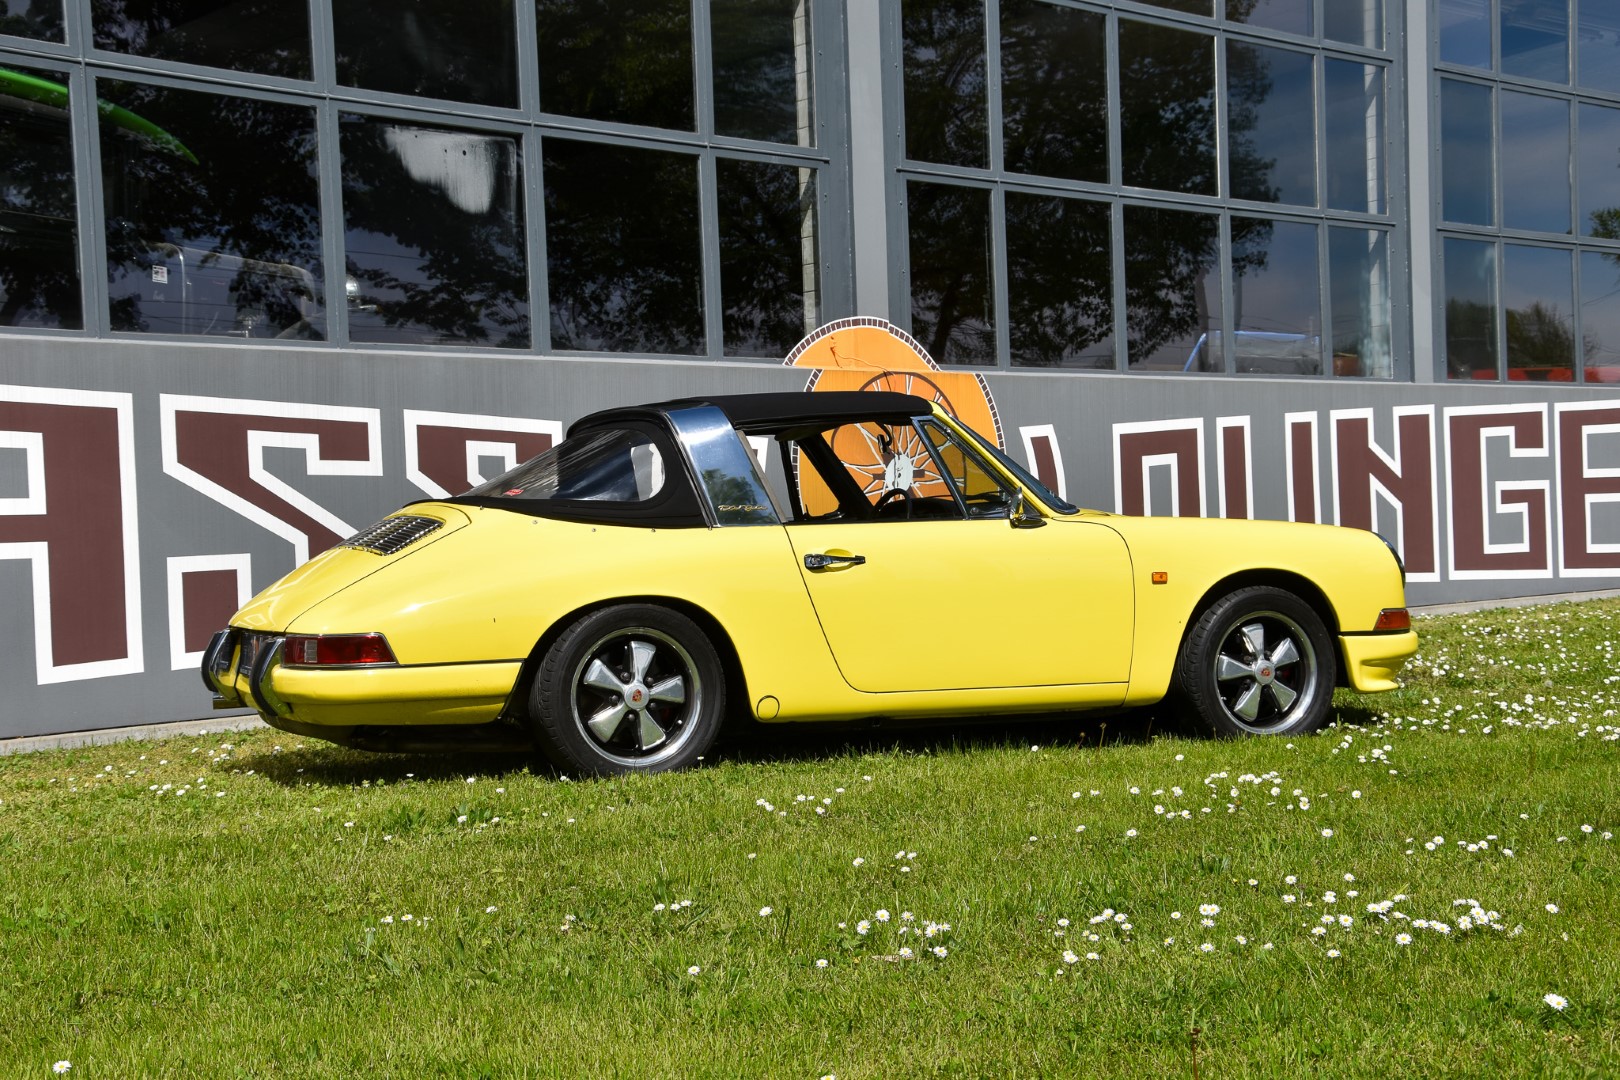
393	534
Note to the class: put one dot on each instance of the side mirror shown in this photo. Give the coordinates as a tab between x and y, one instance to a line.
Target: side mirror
1022	516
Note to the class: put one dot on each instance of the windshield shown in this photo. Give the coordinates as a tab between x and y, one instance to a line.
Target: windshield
616	465
1025	477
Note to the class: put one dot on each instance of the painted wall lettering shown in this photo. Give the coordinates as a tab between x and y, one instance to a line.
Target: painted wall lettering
1475	496
445	452
217	446
1364	473
1044	458
1174	445
76	525
1588	430
1233	453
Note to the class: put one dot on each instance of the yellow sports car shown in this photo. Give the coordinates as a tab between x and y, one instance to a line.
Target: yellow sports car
795	557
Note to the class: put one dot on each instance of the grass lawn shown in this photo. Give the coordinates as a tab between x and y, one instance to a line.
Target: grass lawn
1398	896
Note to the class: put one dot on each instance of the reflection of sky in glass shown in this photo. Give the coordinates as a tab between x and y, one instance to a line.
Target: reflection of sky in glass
1274	279
1470	271
1465	152
1535	39
1282	141
1535	143
1599	165
1597	61
1292	16
1359	22
1600	308
1538	292
1358	298
1465	32
1354	146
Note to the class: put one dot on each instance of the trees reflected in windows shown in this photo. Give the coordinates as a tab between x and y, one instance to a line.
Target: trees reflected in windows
624	261
1172	290
37	19
1054	91
1271	120
769	275
762	70
1167	108
1470	281
1060	310
269	37
1600	315
433	235
212	214
947	100
1276	304
1538	293
460	50
39	236
952	292
627	61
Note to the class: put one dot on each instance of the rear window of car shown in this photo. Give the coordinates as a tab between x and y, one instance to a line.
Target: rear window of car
615	465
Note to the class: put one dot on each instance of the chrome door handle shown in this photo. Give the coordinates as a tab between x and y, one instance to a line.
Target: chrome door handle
821	562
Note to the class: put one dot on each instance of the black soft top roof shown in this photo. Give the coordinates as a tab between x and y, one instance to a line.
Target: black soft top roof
765	411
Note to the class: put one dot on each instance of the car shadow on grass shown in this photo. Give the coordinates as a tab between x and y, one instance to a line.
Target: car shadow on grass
324	765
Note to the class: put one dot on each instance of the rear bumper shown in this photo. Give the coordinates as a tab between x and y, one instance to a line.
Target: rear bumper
1372	661
243	668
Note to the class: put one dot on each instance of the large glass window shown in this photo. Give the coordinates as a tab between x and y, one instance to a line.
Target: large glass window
212	213
1597	43
1466	158
1470	276
433	235
462	50
1172	290
762	70
40	19
945	81
1600	315
1535	193
1535	39
1465	32
39	236
1276	313
952	299
770	289
1060	310
1358	299
1598	160
1290	16
268	37
1538	291
1054	91
624	260
1271	123
628	61
1355	22
1167	107
1354	147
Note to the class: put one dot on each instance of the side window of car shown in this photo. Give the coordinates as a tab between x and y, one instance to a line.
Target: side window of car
983	493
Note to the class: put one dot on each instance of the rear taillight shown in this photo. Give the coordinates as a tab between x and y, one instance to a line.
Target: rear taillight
1394	618
336	650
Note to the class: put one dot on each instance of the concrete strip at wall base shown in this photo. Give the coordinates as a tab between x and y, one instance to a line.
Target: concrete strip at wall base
71	739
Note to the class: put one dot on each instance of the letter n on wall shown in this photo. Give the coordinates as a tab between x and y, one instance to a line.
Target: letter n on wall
1364	474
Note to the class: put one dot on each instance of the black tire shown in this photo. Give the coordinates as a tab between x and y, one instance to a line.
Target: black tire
1257	662
631	688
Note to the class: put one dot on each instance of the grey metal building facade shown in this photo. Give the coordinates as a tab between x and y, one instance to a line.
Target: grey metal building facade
271	268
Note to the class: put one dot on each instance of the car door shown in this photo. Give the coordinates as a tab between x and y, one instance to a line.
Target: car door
966	601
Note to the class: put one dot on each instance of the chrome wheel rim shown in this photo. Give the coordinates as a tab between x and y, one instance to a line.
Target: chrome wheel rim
1266	672
634	695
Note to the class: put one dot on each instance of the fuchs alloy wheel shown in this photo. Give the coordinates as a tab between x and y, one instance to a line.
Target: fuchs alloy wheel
1258	662
632	688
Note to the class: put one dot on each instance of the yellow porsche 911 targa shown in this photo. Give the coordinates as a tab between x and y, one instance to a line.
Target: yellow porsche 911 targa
796	557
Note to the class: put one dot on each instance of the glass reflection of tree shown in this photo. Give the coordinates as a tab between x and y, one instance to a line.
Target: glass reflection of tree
1538	337
41	19
1470	338
762	69
768	282
251	192
39	268
623	254
457	219
267	36
951	273
945	91
1060	303
623	60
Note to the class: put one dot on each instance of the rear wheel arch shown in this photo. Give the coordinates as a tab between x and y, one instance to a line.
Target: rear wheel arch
736	684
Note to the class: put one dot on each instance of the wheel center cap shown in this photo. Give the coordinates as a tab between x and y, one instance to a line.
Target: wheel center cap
636	696
1264	671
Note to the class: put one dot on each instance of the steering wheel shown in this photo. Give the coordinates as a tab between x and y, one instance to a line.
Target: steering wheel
889	496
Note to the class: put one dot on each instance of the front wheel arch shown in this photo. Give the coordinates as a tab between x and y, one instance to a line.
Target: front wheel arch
1303	588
